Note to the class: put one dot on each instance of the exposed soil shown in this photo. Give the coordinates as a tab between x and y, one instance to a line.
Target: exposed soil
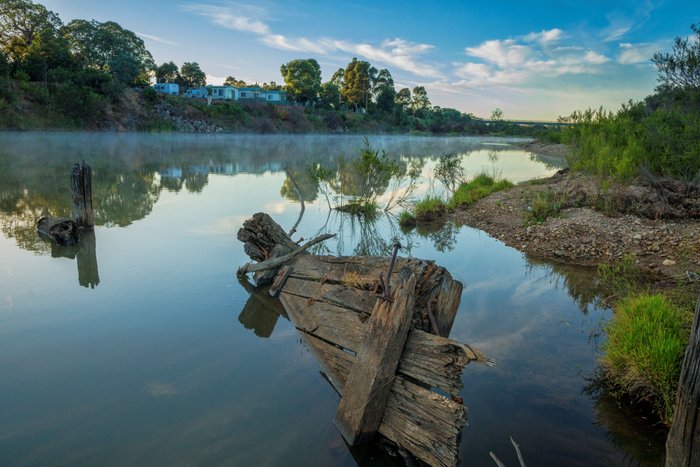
656	221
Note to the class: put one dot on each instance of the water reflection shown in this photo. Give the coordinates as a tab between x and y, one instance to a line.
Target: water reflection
578	281
84	253
260	312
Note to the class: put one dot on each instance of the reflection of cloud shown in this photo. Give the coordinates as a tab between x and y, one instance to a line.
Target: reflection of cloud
223	226
277	208
529	290
10	303
157	389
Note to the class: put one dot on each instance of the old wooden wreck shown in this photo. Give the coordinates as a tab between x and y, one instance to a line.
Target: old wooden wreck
378	327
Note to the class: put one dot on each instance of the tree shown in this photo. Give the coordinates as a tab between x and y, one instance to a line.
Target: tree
272	86
356	85
497	115
681	67
329	96
167	73
231	81
302	78
20	22
111	48
338	78
192	76
385	92
403	98
420	99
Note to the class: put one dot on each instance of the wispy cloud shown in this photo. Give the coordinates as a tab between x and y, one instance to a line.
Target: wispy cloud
156	39
517	61
637	53
399	53
621	22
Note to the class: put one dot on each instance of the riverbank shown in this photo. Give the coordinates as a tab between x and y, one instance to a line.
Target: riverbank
589	226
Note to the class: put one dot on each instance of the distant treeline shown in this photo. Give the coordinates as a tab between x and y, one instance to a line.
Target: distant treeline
88	74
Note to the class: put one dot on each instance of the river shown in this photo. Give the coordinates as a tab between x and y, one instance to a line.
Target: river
141	347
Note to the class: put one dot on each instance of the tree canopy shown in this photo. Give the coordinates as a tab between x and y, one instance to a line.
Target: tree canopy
192	76
167	73
680	68
302	78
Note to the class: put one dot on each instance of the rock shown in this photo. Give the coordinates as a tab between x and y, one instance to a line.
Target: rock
669	262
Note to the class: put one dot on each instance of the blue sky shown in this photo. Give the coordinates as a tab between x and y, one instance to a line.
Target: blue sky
531	59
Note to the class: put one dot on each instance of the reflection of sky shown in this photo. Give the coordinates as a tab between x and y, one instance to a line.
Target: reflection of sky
153	363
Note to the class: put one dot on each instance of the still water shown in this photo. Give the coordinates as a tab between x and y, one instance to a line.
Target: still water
141	347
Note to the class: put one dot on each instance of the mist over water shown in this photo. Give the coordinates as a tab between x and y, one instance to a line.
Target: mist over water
141	347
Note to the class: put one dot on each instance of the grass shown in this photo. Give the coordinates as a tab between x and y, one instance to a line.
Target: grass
360	208
429	209
544	204
406	219
644	351
482	185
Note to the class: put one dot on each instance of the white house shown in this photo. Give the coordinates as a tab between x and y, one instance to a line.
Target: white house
233	93
227	93
197	92
167	88
273	96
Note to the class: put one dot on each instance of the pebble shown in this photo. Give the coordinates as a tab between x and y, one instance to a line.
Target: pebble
669	262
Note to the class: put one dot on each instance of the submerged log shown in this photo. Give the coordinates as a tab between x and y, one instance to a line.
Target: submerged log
333	302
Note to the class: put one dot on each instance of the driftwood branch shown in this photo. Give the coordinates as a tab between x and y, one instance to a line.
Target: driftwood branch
276	262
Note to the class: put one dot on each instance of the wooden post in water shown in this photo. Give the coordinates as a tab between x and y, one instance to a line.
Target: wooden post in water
683	442
81	188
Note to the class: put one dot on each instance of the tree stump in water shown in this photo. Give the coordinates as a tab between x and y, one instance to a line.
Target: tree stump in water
335	304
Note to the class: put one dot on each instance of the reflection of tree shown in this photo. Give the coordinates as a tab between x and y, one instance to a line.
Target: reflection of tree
196	178
122	198
632	433
307	187
443	235
578	281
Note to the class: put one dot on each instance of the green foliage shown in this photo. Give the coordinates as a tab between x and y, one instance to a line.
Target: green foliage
192	76
680	68
150	95
429	209
302	78
543	205
664	141
167	73
78	103
643	354
329	96
356	84
449	172
482	185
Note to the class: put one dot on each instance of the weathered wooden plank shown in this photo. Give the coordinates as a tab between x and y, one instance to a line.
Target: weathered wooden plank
425	423
349	297
683	442
338	270
332	323
435	360
334	363
367	389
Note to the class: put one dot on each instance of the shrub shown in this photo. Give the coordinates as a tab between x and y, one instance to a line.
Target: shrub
544	204
644	352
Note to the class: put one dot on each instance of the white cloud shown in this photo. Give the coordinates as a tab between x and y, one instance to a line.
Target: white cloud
397	52
546	36
238	17
636	53
595	58
156	39
517	61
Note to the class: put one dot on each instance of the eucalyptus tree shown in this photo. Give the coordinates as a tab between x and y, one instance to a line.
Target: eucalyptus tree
167	73
109	47
192	76
385	92
680	68
302	78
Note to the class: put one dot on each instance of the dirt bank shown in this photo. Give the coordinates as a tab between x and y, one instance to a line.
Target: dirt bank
595	226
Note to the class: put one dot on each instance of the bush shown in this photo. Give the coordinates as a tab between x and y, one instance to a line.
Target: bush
407	220
644	352
543	205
